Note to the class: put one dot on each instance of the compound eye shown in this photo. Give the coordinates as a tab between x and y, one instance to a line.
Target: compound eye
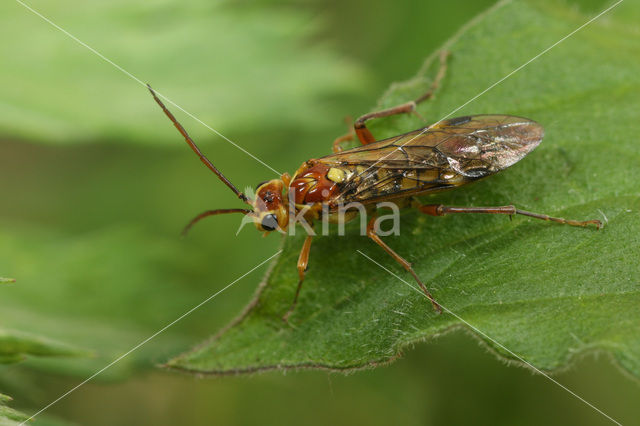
269	222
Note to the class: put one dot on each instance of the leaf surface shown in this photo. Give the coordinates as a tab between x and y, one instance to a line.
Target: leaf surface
227	66
16	346
9	416
547	292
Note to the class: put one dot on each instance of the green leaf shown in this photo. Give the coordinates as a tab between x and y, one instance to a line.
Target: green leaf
111	289
547	292
15	346
61	92
9	416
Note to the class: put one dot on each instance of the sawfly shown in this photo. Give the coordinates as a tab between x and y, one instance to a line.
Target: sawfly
439	157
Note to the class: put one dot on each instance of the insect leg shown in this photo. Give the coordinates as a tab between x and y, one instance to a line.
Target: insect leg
303	262
337	143
360	127
405	264
440	210
444	55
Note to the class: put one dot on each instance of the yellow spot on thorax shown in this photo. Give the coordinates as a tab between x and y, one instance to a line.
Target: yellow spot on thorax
336	175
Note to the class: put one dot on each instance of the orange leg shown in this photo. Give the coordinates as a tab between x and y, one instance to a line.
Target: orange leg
337	143
303	262
440	210
360	127
406	265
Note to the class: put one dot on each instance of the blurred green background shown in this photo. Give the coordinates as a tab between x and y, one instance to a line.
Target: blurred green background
95	186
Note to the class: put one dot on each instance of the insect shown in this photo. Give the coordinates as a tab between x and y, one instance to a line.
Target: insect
442	156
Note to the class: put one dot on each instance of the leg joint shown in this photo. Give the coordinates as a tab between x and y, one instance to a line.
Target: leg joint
432	209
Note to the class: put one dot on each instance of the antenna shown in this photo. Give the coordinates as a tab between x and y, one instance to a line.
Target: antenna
195	149
211	213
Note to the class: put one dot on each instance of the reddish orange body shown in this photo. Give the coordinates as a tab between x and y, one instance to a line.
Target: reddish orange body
310	184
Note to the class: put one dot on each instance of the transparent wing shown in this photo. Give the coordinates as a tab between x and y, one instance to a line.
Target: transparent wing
448	154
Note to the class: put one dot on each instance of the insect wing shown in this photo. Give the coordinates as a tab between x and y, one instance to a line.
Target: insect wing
448	154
